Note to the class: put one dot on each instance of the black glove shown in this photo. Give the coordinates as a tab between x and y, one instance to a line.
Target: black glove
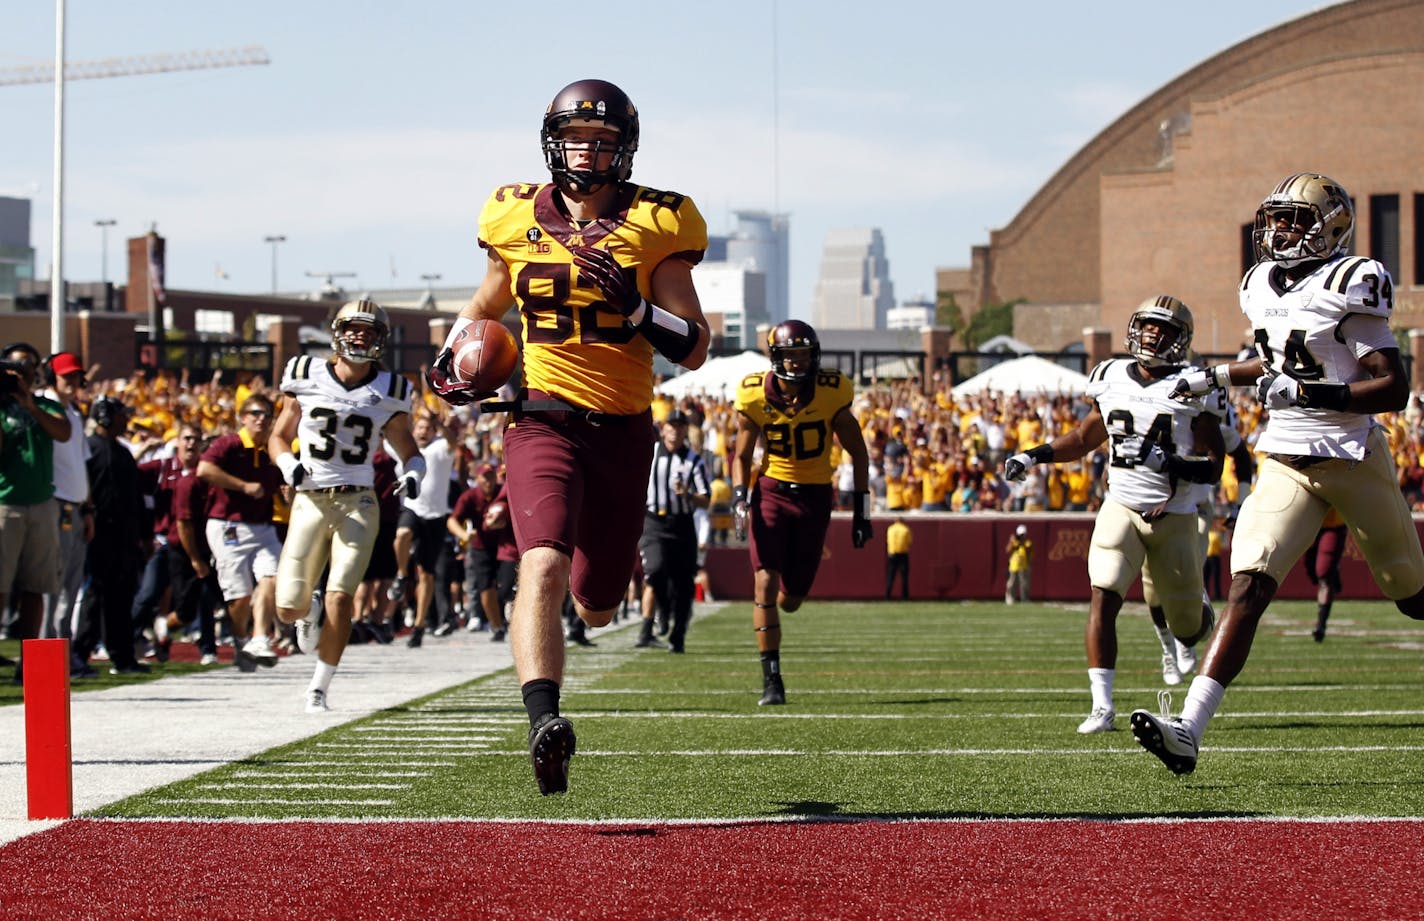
860	529
617	286
447	387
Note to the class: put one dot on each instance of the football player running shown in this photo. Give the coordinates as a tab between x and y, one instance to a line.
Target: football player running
796	407
337	409
1326	363
1179	659
601	271
1159	446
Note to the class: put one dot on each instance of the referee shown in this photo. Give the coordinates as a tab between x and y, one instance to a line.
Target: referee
677	484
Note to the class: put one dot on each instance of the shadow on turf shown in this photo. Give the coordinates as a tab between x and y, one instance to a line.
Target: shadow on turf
818	811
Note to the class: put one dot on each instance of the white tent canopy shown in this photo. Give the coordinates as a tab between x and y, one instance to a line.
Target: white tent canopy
719	377
1028	374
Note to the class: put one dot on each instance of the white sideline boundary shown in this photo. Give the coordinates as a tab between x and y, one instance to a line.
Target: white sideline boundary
135	737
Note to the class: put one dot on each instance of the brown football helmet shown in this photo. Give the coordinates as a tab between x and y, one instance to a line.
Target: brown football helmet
590	102
788	335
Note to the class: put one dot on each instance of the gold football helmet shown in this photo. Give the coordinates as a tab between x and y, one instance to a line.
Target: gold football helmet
362	313
1307	216
1172	344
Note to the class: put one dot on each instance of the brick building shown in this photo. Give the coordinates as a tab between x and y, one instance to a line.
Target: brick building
1161	201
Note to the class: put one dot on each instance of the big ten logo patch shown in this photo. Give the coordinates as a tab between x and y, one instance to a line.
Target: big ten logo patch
1070	544
537	246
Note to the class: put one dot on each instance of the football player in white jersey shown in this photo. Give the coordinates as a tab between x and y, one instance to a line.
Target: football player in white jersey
1159	446
1326	362
1179	659
338	410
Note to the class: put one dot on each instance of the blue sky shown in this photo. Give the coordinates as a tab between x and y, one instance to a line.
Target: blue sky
378	130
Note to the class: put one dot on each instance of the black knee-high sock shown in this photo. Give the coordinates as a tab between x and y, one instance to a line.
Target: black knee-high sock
541	696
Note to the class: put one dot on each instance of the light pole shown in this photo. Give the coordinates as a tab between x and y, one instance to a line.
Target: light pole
429	280
274	240
104	224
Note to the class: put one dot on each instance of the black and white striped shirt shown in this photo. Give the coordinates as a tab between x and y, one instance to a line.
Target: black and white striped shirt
668	466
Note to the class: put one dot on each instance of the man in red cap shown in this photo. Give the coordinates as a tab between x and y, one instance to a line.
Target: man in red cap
62	375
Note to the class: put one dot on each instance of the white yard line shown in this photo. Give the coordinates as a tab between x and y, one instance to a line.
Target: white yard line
129	739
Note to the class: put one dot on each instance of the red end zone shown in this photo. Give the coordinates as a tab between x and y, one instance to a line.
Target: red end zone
861	869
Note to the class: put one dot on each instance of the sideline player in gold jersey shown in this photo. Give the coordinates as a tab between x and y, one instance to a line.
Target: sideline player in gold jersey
601	271
795	407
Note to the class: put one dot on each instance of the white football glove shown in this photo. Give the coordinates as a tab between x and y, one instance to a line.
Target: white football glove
740	511
292	470
1133	452
408	484
1155	459
1016	467
1277	391
1193	383
1128	451
412	471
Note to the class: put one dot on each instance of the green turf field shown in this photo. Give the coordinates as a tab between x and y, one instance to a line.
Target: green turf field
900	710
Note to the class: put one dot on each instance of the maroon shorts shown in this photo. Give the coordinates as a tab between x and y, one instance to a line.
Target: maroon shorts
788	531
577	485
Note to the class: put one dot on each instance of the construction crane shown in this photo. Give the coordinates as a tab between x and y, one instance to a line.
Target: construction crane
59	74
253	55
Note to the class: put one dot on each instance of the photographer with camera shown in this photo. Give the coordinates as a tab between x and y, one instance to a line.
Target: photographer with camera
29	516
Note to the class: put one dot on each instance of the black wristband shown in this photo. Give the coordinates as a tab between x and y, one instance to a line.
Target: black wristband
1043	454
1193	470
664	334
1325	396
739	494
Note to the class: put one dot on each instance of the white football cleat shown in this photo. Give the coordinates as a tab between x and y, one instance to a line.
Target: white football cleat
1186	659
259	649
1166	737
1170	674
316	701
1100	720
308	629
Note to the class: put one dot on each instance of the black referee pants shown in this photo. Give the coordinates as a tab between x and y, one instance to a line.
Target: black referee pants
669	551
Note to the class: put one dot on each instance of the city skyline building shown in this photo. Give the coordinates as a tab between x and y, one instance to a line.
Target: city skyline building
854	290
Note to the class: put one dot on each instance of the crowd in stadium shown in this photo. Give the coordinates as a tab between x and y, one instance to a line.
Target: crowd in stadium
930	451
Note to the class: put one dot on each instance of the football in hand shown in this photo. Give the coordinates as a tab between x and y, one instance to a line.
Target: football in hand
485	355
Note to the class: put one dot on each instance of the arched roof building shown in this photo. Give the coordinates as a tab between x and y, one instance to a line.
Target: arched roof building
1161	201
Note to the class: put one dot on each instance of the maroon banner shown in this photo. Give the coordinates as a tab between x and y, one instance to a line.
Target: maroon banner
963	557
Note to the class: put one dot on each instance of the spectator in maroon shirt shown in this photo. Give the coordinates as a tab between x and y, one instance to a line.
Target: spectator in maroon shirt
189	514
240	532
467	523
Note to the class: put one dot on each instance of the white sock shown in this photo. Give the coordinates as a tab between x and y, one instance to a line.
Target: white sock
1203	697
321	678
1100	682
1168	641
